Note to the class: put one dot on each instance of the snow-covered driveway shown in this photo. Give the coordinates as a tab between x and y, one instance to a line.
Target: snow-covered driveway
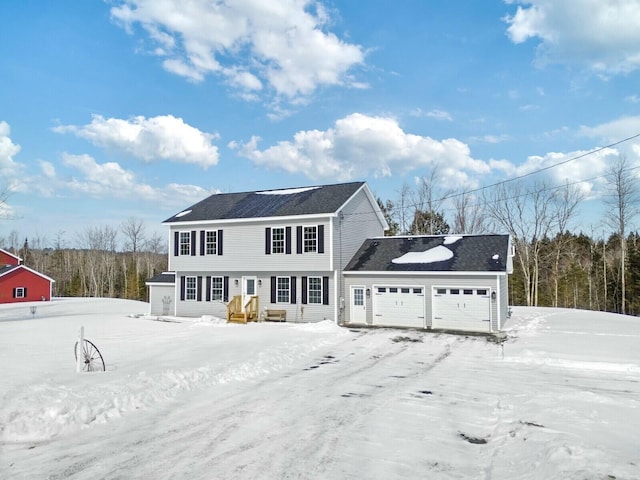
558	400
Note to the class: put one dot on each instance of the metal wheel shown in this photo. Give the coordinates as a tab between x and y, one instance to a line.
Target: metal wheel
93	361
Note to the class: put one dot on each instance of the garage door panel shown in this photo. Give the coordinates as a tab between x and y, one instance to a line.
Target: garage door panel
399	307
462	309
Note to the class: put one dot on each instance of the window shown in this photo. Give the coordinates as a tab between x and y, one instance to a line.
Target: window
393	290
467	291
441	291
283	289
211	242
277	240
20	292
310	239
358	297
404	290
382	290
217	288
185	243
454	291
191	288
315	290
482	291
417	290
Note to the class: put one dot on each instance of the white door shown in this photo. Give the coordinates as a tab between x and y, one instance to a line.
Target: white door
399	306
248	288
462	309
358	312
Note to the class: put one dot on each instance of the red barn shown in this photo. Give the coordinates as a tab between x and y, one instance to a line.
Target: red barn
21	284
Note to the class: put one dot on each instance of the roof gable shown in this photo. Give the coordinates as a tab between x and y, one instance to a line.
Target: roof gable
11	268
446	253
315	200
8	258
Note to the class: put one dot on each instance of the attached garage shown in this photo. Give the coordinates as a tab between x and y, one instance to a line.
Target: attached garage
399	306
448	282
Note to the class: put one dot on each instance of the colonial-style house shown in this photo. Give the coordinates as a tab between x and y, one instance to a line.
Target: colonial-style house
19	283
313	253
267	253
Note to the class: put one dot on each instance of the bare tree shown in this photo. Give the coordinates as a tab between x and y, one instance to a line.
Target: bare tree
525	214
427	202
134	232
565	201
470	216
622	196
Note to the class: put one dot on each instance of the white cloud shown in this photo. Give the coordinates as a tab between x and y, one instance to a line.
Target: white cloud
359	145
284	43
633	98
8	149
157	138
615	130
110	180
435	114
493	139
602	35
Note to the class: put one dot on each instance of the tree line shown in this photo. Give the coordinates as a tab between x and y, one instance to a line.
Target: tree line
105	261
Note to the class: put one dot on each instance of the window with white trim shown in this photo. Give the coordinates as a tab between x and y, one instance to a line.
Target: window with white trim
277	240
20	292
217	288
314	290
191	288
211	242
185	243
283	289
310	239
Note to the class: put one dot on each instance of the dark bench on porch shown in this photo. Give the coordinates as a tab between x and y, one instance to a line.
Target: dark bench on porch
275	315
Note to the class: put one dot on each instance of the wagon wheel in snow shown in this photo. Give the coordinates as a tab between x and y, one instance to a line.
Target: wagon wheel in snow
93	361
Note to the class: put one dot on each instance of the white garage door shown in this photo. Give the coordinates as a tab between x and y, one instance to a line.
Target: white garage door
462	309
398	306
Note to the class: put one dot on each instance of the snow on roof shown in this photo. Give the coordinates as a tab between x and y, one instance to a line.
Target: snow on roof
287	191
435	254
452	239
496	257
183	213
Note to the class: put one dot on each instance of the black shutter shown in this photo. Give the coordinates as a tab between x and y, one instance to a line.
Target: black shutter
225	293
219	242
320	238
208	297
199	287
24	292
298	239
193	243
304	290
14	292
293	290
267	241
325	290
273	290
176	244
182	287
202	242
287	237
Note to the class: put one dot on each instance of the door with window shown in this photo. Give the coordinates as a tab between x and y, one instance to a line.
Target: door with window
358	313
248	288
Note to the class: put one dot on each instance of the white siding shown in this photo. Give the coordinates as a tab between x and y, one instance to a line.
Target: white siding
156	295
296	311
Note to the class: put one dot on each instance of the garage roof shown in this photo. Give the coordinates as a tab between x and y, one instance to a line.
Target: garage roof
442	253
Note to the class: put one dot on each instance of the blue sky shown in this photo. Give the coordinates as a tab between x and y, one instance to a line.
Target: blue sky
139	108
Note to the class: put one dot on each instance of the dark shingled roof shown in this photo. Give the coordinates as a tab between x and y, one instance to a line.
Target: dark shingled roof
471	253
7	268
165	277
308	201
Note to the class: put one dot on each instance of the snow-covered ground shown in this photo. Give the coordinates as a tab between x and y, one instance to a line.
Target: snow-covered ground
559	398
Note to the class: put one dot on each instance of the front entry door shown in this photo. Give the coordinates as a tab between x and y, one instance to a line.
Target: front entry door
248	288
358	312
